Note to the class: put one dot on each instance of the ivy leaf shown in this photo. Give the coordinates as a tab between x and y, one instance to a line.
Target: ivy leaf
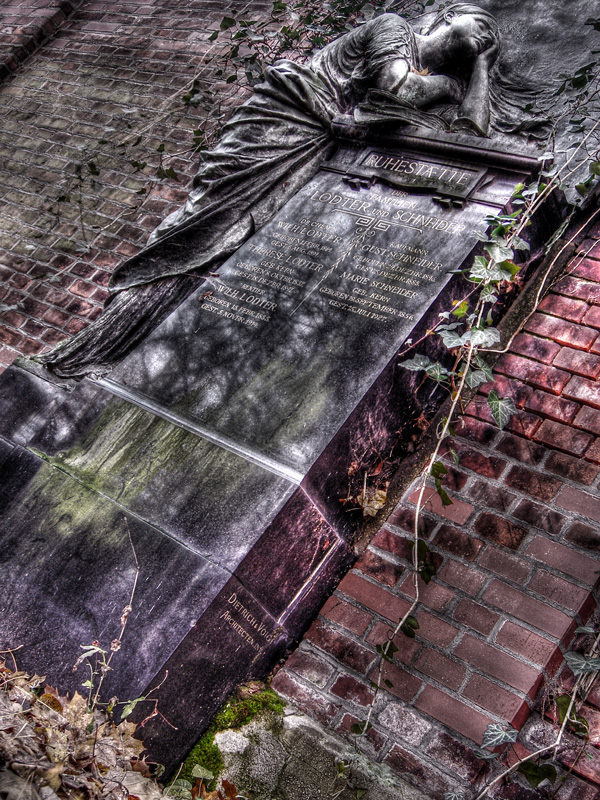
417	363
484	367
563	702
438	469
595	167
227	22
537	773
486	756
475	378
213	36
520	244
409	626
359	727
484	337
460	310
454	796
200	772
498	252
495	735
584	629
387	650
502	408
580	664
437	372
452	338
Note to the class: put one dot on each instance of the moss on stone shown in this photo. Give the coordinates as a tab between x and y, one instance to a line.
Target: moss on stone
237	712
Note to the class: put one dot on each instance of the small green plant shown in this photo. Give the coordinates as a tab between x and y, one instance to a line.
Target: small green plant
241	708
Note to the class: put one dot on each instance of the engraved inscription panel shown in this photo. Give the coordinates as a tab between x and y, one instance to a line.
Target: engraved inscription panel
279	346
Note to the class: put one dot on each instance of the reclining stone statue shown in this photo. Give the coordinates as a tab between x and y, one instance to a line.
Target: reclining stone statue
275	142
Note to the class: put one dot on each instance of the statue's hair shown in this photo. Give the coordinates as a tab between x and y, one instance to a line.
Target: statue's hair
455	9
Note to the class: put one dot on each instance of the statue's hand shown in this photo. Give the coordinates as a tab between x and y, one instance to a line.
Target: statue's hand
487	58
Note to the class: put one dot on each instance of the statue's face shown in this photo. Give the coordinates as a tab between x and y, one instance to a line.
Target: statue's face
464	37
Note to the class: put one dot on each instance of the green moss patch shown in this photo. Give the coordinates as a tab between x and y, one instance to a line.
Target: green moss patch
241	707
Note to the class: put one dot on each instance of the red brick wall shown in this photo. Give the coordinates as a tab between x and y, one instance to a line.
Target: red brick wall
112	71
517	555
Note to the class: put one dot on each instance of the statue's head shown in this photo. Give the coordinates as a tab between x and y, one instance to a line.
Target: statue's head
467	28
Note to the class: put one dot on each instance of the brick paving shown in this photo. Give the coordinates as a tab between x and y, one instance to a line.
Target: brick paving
517	556
74	201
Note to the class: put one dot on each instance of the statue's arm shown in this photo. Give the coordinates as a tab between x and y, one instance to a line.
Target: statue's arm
474	111
417	90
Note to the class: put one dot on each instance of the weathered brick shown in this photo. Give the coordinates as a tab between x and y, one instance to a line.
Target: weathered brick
486	494
592	318
583	390
489	466
310	667
499	701
405	762
409	726
407	648
528	644
310	701
557	408
543	350
563	437
382	570
588	419
499	530
505	387
524	424
433	594
404	517
373	736
584	503
435	629
461	576
536	484
494	662
572	468
348	616
403	684
339	646
456	542
475	430
398	545
584	536
587	268
562	592
508	566
561	331
593	452
373	596
348	688
459	512
578	361
564	559
520	449
457	715
539	375
582	290
538	614
564	307
475	616
459	759
540	516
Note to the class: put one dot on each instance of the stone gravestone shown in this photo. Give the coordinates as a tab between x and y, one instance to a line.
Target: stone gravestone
223	443
206	470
